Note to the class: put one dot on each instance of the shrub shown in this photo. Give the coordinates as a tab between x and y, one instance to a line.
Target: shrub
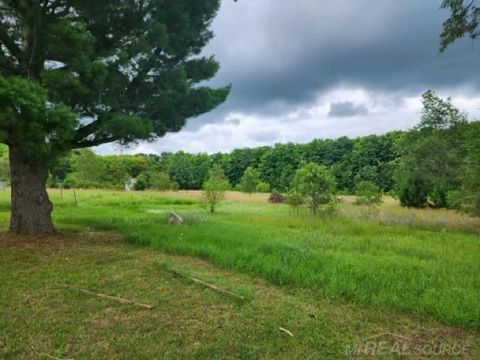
368	193
295	200
214	188
276	198
414	192
315	183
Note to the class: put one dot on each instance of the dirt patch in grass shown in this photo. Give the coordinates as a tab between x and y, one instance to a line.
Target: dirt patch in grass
58	242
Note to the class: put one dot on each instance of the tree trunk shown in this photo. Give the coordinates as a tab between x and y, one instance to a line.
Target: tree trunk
31	207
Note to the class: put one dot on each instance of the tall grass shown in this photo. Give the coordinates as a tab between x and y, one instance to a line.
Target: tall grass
422	266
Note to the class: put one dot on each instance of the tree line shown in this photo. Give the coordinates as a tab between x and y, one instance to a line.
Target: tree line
263	169
436	164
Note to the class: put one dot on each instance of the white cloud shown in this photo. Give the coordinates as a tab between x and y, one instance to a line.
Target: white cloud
386	112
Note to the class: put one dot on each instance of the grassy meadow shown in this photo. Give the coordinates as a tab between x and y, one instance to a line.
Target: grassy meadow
331	281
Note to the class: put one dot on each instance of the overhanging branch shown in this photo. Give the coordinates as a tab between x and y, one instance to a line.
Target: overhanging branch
93	142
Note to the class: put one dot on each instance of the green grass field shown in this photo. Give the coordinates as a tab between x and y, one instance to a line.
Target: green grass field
331	281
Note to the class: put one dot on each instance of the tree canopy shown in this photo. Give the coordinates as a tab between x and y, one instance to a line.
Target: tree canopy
79	73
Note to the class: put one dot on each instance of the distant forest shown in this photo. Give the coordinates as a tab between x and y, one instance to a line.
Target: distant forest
372	158
437	163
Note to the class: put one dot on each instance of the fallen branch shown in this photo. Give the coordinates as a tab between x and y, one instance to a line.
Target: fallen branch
289	333
109	297
48	356
208	285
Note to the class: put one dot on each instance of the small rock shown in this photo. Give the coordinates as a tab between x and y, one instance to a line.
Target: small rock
175	219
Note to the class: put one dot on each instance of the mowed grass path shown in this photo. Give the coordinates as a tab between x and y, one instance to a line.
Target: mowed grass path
424	264
41	319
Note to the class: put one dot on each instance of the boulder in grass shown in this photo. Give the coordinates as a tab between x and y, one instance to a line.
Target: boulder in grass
175	219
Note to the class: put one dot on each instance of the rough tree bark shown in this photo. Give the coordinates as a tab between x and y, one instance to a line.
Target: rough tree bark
31	207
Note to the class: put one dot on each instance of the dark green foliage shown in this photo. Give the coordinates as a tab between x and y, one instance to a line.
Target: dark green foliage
327	152
413	191
201	167
189	171
131	67
236	162
465	20
80	73
181	170
431	155
278	165
372	160
28	120
143	182
467	198
429	161
274	167
335	154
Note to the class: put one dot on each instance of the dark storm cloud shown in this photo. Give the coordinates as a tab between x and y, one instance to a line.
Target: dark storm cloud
346	109
284	53
291	62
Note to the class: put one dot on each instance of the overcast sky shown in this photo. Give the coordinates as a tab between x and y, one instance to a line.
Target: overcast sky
309	69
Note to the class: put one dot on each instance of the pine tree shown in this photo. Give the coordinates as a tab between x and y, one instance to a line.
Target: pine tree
80	73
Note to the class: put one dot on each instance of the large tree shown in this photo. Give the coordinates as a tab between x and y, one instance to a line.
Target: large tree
465	21
431	154
80	73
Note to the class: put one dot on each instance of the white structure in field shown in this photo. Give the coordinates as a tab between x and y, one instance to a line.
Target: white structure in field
130	184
